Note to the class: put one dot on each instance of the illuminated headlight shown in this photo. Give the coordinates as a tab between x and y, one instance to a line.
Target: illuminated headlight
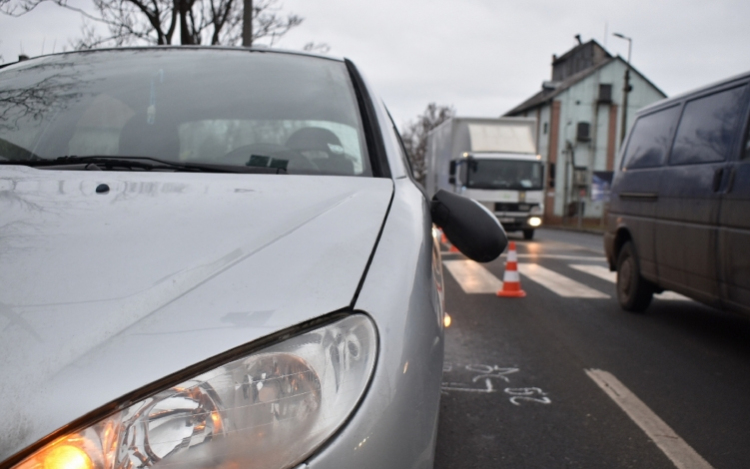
535	221
269	409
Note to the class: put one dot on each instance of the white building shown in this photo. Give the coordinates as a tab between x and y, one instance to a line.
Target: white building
579	114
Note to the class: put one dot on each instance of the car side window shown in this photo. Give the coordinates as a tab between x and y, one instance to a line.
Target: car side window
650	139
708	127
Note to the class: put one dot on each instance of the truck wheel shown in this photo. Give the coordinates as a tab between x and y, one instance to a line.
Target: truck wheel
633	291
528	234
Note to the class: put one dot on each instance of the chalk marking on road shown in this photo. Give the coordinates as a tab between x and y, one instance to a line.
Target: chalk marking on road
487	371
558	283
472	277
604	274
525	394
676	449
460	387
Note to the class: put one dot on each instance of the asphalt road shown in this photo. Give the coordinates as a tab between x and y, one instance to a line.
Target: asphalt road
515	388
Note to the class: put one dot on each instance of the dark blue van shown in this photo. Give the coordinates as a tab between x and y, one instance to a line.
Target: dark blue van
679	217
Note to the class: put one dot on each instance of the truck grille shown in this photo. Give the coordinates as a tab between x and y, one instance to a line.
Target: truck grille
508	207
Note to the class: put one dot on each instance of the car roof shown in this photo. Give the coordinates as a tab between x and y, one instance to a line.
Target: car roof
254	49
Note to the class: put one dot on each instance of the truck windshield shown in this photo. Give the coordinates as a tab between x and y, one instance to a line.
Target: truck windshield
504	174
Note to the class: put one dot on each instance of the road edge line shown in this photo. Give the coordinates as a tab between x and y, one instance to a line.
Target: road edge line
672	445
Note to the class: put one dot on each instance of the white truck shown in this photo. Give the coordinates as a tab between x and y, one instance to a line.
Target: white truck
493	161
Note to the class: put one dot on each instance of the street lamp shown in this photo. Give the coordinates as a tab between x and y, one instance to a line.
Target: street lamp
626	88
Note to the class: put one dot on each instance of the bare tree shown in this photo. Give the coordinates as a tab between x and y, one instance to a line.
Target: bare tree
414	135
316	47
130	22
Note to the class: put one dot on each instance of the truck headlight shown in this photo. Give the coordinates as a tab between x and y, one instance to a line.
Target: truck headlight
268	409
535	221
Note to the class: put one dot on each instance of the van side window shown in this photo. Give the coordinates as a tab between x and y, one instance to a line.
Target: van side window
650	139
708	127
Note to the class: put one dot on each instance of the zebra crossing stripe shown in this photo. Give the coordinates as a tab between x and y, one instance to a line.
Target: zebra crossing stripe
558	283
472	277
605	274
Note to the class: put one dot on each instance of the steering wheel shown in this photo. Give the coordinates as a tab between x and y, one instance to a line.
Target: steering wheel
296	161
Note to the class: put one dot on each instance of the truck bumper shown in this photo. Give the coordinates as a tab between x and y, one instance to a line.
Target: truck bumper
517	222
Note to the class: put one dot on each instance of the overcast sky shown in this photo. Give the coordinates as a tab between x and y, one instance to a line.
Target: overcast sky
481	56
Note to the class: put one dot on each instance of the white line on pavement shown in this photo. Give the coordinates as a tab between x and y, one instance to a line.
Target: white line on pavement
559	284
545	256
563	256
605	274
472	277
676	449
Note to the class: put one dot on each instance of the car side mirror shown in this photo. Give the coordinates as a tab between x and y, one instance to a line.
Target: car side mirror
469	226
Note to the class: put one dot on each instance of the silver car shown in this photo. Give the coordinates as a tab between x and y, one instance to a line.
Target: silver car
216	258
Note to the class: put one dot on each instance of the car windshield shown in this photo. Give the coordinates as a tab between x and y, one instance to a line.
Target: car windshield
504	174
221	107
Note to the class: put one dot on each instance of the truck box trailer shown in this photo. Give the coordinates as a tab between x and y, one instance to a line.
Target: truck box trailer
493	161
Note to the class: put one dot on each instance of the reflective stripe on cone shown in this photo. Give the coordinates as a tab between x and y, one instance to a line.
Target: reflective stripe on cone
511	279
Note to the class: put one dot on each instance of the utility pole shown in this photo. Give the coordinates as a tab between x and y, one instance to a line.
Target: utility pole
625	89
247	24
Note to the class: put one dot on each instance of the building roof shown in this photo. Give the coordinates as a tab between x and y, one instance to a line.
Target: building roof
581	57
549	93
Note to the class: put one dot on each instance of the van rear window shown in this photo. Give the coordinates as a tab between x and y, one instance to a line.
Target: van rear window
650	139
708	127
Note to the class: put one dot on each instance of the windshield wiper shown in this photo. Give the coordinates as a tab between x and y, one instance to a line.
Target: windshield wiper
146	163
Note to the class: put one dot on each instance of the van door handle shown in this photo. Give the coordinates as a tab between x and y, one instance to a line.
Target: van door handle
717	179
730	183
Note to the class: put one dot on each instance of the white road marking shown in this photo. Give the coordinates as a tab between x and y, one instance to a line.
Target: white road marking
562	256
559	284
605	274
566	257
676	449
472	277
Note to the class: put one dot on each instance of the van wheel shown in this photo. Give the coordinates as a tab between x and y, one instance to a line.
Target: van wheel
633	291
528	234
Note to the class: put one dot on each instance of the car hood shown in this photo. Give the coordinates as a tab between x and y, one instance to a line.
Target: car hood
103	292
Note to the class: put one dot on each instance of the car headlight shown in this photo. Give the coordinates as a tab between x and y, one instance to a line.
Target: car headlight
268	409
535	221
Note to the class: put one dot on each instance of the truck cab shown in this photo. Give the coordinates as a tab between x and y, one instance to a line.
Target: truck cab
509	185
493	161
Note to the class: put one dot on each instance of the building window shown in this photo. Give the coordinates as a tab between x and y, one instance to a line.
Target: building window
545	129
605	93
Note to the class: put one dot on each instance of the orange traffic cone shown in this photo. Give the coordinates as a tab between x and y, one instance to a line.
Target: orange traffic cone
511	279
